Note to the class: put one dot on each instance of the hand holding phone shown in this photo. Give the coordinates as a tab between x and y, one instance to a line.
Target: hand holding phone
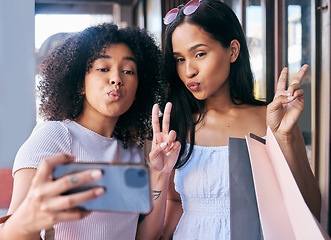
127	186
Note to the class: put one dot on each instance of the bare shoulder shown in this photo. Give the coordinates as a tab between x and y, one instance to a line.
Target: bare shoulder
254	119
252	110
258	111
236	121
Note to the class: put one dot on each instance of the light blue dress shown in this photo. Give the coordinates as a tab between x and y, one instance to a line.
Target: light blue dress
203	184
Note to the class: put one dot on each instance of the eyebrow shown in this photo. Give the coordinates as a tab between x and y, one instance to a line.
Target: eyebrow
109	57
192	48
131	59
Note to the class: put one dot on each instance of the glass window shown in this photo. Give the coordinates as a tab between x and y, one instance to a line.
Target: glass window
47	25
294	57
299	52
255	26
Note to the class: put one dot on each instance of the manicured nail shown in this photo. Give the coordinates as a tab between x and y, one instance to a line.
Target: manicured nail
99	192
163	145
96	174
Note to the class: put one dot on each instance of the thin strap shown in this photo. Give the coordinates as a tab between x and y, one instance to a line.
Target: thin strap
4	219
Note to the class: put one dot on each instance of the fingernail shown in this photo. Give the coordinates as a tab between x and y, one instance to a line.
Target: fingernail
290	98
96	174
99	192
163	145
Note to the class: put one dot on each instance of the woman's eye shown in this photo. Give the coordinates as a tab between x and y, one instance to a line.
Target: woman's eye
128	72
103	69
179	60
199	55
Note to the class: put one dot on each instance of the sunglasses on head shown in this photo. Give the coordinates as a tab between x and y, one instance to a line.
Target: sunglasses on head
188	9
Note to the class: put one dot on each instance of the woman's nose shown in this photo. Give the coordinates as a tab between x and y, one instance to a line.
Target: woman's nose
115	80
191	70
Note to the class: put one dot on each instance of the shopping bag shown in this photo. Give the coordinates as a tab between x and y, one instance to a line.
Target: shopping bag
282	210
244	215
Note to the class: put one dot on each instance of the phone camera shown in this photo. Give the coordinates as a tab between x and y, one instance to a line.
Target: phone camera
136	178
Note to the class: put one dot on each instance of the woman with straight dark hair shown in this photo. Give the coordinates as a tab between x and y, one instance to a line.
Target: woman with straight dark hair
211	89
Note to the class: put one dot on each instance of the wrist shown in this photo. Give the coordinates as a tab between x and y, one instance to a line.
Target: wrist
159	176
284	137
159	173
159	184
10	231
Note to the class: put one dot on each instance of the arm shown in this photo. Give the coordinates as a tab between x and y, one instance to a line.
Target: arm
174	210
294	151
163	156
151	227
22	181
37	202
282	116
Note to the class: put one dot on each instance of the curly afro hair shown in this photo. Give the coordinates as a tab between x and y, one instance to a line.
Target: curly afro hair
63	75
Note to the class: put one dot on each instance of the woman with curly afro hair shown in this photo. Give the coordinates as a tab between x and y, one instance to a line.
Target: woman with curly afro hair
97	90
63	72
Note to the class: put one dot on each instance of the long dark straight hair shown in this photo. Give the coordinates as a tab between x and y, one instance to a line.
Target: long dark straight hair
218	20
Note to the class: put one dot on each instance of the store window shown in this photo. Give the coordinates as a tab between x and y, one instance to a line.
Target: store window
299	52
255	34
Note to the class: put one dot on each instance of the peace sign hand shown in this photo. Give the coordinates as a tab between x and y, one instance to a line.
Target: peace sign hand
165	148
285	109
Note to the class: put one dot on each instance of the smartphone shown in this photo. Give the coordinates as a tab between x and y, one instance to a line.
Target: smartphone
127	186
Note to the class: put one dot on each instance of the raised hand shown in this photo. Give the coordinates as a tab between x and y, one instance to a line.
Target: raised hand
285	109
165	148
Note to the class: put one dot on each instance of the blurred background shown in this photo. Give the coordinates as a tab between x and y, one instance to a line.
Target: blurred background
279	33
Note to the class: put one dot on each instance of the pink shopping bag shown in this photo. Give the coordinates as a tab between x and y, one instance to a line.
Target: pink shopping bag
282	209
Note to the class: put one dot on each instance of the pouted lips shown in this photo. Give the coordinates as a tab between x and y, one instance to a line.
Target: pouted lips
114	95
193	86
